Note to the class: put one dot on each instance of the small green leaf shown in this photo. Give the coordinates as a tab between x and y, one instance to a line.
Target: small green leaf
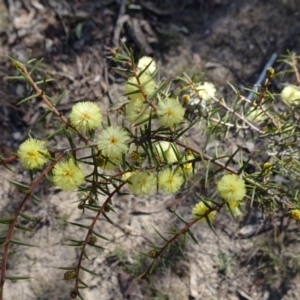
27	217
79	225
6	220
83	283
44	81
97	246
35	66
181	218
74	244
4	243
19	226
36	198
27	99
18	277
211	226
89	271
80	296
22	185
85	255
58	131
18	242
165	239
107	218
66	268
59	98
100	236
193	237
68	136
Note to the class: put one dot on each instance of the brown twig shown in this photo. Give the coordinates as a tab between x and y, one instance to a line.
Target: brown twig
295	68
40	93
175	237
7	160
90	232
14	221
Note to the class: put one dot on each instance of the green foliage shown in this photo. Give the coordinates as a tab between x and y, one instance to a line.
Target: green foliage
150	149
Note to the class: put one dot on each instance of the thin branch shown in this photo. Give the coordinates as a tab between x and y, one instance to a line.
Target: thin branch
14	221
40	93
90	232
295	68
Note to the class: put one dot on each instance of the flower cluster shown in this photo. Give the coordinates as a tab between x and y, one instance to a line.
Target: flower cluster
170	180
147	64
112	142
206	91
138	111
142	182
257	115
85	115
290	95
166	152
134	86
170	112
201	208
233	190
67	175
295	214
33	153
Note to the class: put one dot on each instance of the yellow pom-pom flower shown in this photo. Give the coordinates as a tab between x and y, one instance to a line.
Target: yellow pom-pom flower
67	176
206	91
132	87
200	209
188	167
295	214
166	151
85	116
142	182
257	115
290	95
32	153
234	208
170	112
231	188
126	176
169	180
147	61
113	141
137	110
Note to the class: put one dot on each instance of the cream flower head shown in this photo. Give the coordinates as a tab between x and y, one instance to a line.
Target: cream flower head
200	209
85	116
112	141
170	112
188	167
137	110
234	208
132	86
290	95
257	115
206	91
142	182
169	180
147	61
166	151
32	153
295	214
231	188
67	176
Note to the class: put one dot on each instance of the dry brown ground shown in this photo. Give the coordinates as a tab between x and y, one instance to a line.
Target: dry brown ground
229	41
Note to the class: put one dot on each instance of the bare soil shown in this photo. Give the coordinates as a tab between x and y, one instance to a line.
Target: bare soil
228	41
